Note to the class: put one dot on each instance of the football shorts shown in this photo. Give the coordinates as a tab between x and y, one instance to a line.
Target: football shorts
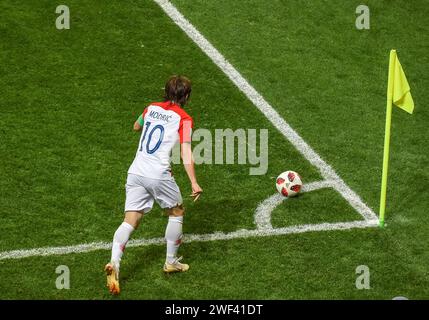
141	193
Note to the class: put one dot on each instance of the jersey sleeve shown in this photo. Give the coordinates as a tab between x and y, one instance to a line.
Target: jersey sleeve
185	128
140	119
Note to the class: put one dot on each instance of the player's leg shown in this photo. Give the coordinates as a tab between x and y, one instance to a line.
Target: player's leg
123	234
173	237
168	196
120	239
138	201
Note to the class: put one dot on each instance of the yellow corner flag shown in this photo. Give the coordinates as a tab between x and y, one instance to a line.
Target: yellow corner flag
398	93
401	95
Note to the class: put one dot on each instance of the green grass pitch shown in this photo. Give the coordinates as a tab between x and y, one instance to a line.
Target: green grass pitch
69	98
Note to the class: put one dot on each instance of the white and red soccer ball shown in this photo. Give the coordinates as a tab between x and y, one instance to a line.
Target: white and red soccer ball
289	184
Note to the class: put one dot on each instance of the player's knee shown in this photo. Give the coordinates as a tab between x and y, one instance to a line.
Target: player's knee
178	211
133	218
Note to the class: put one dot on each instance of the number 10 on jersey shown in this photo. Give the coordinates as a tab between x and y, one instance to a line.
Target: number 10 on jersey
146	143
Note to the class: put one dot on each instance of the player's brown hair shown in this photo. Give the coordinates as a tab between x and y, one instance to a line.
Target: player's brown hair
178	89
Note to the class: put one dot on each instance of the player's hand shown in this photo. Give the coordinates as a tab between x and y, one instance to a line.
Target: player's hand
196	191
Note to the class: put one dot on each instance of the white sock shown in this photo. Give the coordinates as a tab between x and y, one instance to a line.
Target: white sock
120	240
173	235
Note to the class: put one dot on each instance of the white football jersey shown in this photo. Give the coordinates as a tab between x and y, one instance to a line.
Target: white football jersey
165	123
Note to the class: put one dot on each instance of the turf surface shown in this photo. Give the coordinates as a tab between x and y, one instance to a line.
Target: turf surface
70	97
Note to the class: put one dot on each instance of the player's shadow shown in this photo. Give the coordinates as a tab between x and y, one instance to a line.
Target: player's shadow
208	216
141	263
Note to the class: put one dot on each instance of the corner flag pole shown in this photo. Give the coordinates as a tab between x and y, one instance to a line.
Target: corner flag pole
387	137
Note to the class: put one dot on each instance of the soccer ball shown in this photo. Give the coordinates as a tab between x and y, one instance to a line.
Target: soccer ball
289	184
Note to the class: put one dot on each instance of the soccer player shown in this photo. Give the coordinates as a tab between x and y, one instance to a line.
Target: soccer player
163	124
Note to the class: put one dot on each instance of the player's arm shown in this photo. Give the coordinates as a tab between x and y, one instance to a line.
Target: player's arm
138	125
188	163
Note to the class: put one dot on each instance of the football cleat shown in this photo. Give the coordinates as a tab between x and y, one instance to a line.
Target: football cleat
112	273
176	266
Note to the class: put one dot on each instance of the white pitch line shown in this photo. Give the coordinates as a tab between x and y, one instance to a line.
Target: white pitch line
239	234
269	112
307	187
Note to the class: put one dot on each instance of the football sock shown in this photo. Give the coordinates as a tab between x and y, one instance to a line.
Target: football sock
173	236
120	240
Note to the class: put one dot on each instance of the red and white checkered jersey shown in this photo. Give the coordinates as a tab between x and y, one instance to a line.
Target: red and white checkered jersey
165	123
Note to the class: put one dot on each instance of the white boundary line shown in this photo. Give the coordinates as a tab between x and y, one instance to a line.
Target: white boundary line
269	112
239	234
